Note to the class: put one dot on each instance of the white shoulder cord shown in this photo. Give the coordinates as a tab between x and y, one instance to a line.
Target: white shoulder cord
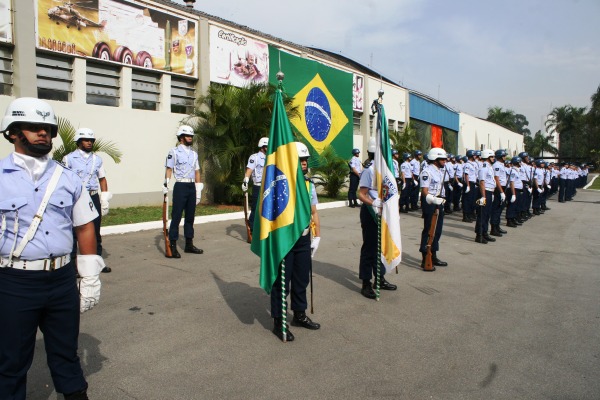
38	217
89	177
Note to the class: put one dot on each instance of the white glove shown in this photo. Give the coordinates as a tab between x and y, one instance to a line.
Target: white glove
415	182
513	199
165	188
245	184
377	206
450	187
104	199
89	267
199	187
492	197
314	245
404	186
460	184
431	199
540	190
481	201
502	197
468	189
529	190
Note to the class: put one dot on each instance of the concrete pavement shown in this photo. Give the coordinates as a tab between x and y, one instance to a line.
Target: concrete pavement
514	319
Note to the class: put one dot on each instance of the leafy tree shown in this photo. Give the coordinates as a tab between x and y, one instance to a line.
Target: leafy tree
538	144
228	122
569	123
521	124
505	118
331	172
405	141
66	132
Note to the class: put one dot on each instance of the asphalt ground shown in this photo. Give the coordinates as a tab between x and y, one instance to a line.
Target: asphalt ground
514	319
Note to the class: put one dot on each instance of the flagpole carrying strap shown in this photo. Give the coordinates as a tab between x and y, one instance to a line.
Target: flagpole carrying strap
37	219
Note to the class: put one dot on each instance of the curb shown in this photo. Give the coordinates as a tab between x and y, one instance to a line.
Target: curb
158	225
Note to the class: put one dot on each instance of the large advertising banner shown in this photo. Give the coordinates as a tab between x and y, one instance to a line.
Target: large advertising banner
5	21
236	59
358	90
323	96
123	31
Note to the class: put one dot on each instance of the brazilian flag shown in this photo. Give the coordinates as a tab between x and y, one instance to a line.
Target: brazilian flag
323	96
283	210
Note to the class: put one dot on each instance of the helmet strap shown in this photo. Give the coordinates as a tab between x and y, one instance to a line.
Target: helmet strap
36	149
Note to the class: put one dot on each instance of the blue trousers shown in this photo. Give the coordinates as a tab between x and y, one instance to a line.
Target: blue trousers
367	268
298	265
414	194
428	211
497	207
513	208
483	215
469	198
184	200
48	300
354	180
253	204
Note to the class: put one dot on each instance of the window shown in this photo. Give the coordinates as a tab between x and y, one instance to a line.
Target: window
145	90
356	123
183	95
6	68
102	84
391	124
54	77
371	121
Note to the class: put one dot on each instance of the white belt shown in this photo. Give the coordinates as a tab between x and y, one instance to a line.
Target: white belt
185	180
93	192
47	264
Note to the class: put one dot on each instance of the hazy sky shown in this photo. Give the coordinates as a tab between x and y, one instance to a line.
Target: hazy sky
528	56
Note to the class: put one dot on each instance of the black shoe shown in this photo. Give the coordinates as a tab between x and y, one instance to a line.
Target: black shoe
437	262
536	212
480	239
467	219
301	319
278	331
367	291
404	210
500	230
352	206
174	252
487	237
106	270
546	208
190	248
494	232
511	223
385	285
82	395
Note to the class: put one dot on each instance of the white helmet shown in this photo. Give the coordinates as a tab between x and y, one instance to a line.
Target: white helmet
302	150
31	110
487	153
185	130
371	146
264	141
436	153
84	133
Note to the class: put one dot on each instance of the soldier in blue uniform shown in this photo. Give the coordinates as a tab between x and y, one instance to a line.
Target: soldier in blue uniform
40	204
470	190
298	265
356	168
406	183
254	168
538	186
514	191
432	191
499	193
182	164
90	169
486	187
371	206
416	167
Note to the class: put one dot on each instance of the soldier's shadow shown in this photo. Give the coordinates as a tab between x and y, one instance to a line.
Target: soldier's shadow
237	232
39	382
341	275
248	303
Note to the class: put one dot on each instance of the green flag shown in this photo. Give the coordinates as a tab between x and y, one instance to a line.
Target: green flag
283	210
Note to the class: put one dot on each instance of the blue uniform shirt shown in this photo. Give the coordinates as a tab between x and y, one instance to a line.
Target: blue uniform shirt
432	179
367	181
406	170
20	198
500	172
471	171
88	166
183	161
396	169
256	162
514	177
356	164
486	173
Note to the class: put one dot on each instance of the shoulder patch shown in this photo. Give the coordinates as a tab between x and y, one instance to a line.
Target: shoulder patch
251	161
425	177
170	156
497	169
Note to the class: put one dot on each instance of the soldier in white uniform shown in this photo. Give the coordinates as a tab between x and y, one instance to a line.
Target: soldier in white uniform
486	187
40	204
356	168
499	193
254	168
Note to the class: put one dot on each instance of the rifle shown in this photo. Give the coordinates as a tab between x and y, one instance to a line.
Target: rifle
248	231
165	213
434	219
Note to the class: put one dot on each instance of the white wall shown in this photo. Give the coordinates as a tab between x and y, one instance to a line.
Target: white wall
475	132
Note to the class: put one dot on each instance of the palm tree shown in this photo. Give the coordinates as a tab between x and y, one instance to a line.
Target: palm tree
405	141
66	132
228	122
331	171
505	118
538	144
569	123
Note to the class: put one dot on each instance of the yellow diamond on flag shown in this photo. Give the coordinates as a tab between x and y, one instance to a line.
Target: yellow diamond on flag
321	117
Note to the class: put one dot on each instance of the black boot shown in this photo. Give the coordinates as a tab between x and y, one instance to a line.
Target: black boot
174	252
480	239
511	223
301	319
487	237
499	229
367	290
536	211
190	248
518	221
494	231
437	262
385	285
466	218
82	395
278	331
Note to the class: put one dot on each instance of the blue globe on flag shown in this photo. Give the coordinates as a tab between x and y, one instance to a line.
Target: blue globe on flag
317	112
276	194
